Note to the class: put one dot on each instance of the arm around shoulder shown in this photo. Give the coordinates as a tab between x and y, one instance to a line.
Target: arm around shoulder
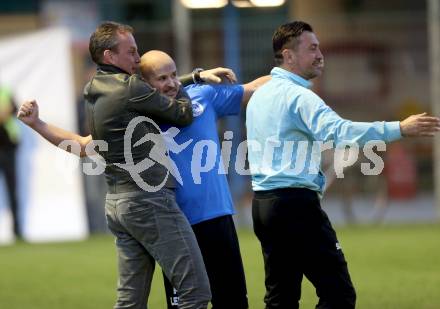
252	86
149	102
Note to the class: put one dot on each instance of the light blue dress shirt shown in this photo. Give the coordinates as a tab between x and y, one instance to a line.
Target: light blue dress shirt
287	127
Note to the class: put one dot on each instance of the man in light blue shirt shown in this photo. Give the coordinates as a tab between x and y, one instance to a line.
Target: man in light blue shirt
288	126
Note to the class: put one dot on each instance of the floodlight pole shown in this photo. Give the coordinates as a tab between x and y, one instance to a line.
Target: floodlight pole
182	36
231	30
434	52
231	33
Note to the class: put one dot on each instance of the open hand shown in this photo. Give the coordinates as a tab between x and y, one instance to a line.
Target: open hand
420	125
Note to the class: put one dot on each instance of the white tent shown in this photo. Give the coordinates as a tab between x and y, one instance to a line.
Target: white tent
38	66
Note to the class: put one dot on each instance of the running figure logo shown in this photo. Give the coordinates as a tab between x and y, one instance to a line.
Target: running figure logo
162	143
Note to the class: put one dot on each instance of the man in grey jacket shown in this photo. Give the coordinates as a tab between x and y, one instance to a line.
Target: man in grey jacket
148	226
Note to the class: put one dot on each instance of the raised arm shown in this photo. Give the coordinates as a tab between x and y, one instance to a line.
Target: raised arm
212	76
149	102
250	87
28	114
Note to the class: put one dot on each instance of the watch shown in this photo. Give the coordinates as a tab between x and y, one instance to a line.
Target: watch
196	76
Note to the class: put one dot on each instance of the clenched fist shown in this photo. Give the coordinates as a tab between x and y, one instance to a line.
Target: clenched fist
28	113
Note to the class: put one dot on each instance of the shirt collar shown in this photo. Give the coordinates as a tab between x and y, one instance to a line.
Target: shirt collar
110	68
281	73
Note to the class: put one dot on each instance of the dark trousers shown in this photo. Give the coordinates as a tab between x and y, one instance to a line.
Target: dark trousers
218	242
7	167
297	239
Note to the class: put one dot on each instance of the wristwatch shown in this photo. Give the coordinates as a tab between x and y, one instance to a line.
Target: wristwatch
196	76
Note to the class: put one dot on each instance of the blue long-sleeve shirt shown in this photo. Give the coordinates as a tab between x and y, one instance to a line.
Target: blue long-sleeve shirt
287	125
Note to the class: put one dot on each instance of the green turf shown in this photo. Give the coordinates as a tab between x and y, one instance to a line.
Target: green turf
392	267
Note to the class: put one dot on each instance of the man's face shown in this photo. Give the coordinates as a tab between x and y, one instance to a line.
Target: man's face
163	77
307	60
125	56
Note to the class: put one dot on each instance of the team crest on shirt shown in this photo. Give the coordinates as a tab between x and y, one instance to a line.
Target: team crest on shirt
198	109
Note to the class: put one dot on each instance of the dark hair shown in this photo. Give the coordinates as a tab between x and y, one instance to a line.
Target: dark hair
287	34
105	37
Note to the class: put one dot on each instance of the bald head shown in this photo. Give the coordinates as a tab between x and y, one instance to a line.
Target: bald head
155	60
159	70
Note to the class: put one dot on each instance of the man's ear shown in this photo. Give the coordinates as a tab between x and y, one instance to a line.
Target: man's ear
288	56
108	56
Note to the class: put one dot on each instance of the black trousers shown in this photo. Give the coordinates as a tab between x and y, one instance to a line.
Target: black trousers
8	168
218	242
297	239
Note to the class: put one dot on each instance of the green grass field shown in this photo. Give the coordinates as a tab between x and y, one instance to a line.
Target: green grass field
392	267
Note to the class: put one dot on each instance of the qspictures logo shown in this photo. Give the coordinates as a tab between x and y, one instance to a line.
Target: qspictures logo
269	157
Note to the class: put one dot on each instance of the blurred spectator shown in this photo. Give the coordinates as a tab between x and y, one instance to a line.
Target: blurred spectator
9	139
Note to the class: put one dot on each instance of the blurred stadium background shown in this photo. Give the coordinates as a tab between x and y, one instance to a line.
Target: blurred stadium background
382	62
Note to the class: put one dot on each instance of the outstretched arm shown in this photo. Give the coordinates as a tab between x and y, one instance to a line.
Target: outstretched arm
250	87
28	114
420	125
326	125
212	76
218	75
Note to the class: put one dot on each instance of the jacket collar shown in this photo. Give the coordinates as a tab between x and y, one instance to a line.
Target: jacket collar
110	68
282	73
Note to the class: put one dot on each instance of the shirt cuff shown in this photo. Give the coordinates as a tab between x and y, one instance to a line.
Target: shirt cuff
392	128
